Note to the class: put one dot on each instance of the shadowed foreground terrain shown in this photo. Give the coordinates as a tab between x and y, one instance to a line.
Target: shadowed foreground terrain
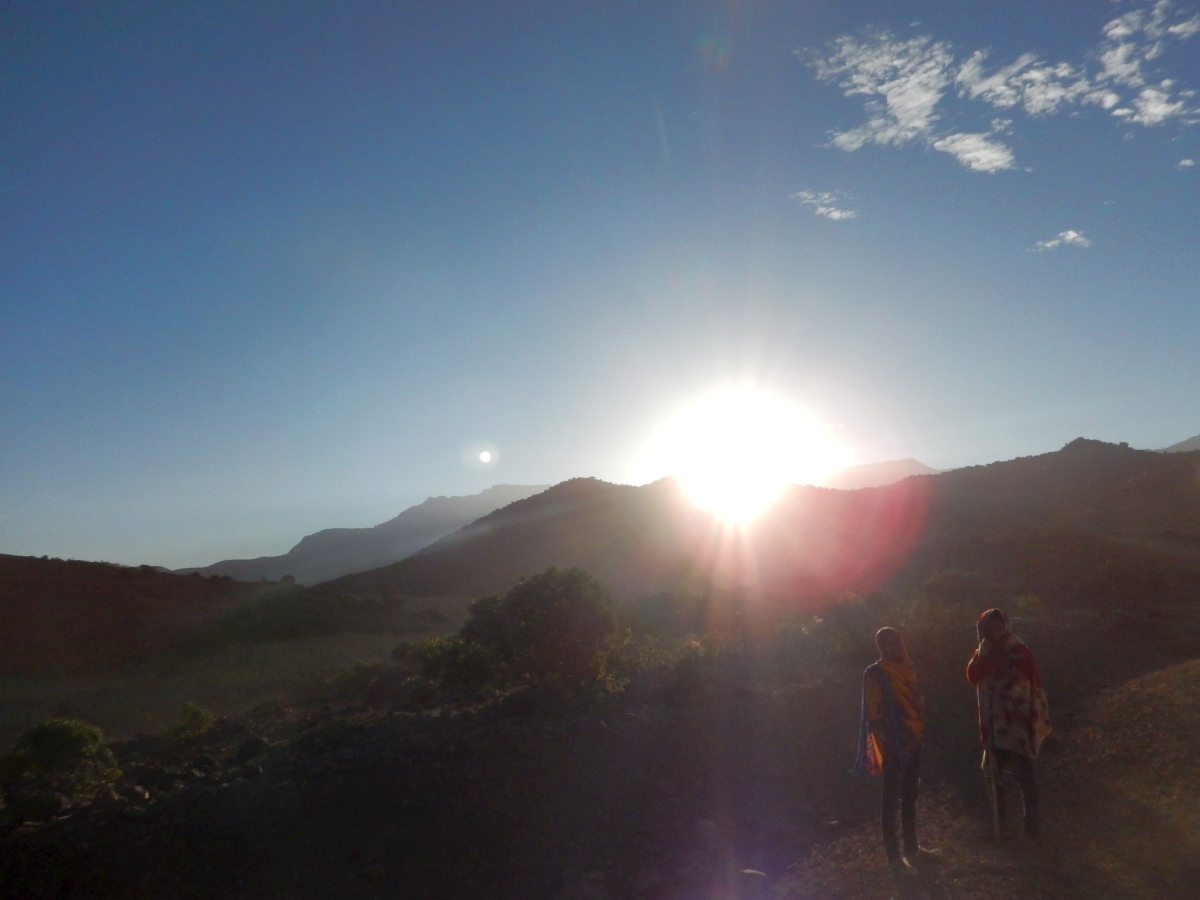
670	788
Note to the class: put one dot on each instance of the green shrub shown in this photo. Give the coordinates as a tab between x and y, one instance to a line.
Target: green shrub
557	623
453	663
638	654
196	720
62	755
694	669
667	615
558	626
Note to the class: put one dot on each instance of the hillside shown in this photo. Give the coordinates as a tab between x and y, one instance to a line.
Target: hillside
876	474
1076	524
67	615
334	552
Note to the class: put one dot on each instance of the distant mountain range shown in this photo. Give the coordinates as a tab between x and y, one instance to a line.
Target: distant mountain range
1082	522
335	552
876	474
1192	443
339	551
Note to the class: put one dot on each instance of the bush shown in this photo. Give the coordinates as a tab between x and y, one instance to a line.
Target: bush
667	615
453	663
61	755
694	668
558	623
639	654
196	720
842	634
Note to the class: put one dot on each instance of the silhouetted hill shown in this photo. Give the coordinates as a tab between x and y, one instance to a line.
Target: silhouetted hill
1081	524
69	616
1192	443
340	551
876	474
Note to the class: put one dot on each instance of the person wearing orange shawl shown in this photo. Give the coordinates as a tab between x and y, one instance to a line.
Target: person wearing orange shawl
1014	717
890	738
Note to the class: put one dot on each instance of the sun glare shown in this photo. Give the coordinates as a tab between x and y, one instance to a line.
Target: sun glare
735	450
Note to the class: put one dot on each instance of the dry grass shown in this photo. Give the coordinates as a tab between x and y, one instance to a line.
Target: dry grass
968	865
1135	810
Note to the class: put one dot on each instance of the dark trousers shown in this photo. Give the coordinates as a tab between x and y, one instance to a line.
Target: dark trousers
1022	768
900	789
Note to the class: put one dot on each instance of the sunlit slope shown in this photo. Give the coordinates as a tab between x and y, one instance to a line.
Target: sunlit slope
338	551
1131	772
1090	522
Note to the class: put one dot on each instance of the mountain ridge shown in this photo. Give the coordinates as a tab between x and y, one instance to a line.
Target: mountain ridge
333	552
1185	446
877	474
1089	503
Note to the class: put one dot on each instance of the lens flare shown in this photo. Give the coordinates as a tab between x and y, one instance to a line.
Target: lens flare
480	455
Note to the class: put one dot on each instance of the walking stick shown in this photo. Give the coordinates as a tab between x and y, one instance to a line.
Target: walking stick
991	771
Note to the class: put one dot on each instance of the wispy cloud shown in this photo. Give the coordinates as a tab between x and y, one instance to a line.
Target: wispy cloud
824	203
905	83
1063	239
979	152
1186	163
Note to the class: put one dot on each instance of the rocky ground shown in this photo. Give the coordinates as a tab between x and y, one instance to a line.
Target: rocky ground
725	782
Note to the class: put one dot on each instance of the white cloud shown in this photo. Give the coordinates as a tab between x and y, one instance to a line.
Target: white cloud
1186	163
904	83
1185	29
824	203
978	152
1063	239
1037	87
1154	106
904	79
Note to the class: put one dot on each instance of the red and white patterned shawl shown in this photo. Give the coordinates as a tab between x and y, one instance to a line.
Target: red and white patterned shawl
1013	711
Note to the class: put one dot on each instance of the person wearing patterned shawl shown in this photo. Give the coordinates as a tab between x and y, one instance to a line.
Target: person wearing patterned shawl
889	743
1014	717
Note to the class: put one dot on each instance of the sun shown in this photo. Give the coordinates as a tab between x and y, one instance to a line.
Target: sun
736	449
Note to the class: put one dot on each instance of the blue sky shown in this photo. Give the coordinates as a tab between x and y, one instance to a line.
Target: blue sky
272	267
